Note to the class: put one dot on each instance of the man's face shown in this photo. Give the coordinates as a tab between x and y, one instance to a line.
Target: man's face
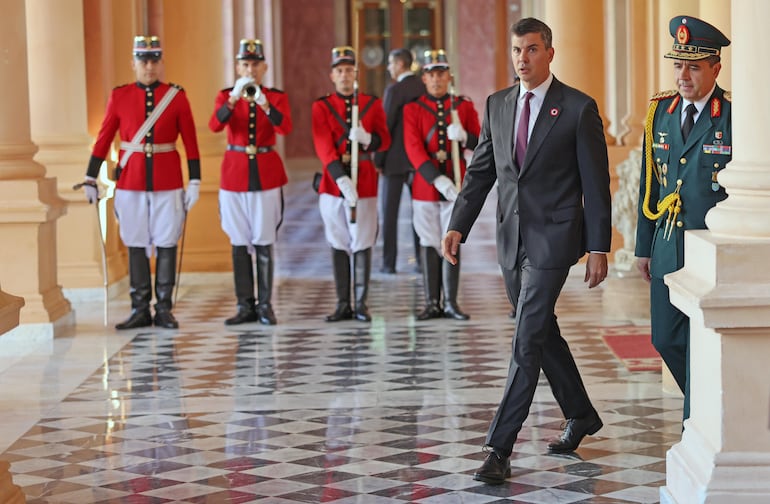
251	68
147	70
695	78
395	67
531	60
343	76
437	82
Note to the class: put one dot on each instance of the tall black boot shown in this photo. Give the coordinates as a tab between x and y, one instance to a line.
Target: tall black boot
450	280
431	279
341	263
362	268
165	279
243	276
141	290
265	284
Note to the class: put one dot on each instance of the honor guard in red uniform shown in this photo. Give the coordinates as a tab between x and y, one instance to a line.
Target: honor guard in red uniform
251	194
150	203
429	131
348	209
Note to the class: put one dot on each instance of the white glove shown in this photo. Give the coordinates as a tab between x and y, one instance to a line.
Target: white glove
260	97
92	191
192	194
348	191
360	135
239	85
446	187
456	132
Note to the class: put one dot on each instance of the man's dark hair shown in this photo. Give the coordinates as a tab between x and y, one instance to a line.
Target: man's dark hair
402	55
713	60
532	25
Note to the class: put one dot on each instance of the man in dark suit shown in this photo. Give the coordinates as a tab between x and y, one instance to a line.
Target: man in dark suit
543	142
394	164
683	153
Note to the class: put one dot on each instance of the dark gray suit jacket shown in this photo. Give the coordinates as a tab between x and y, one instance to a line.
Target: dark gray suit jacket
394	161
558	202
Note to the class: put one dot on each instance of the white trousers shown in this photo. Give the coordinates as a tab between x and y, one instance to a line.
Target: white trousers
251	218
150	218
431	220
340	232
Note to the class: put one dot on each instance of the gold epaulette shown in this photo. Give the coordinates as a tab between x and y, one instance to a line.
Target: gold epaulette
180	88
728	96
664	94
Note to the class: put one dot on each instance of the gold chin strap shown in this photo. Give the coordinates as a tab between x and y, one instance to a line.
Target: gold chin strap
672	203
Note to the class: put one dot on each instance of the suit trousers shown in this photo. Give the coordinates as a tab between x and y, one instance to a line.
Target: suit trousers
537	343
671	337
391	187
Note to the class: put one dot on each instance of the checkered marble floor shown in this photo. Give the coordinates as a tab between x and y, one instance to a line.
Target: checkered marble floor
389	412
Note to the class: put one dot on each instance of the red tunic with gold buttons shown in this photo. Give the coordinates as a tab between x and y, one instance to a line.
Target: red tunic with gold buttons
331	125
127	109
426	143
250	163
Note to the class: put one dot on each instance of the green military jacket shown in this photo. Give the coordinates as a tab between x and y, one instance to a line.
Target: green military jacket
691	167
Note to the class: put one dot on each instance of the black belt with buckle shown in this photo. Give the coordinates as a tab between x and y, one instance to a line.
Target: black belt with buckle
250	149
441	155
362	156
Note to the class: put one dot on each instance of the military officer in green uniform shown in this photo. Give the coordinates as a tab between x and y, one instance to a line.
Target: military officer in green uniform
687	141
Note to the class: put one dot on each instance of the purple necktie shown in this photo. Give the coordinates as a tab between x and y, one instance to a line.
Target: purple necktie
523	132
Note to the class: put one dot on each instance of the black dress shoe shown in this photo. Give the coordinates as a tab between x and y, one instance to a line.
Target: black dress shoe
431	311
265	314
362	313
166	320
494	470
243	316
138	318
574	432
452	311
343	312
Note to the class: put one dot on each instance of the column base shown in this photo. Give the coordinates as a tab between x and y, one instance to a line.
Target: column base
10	306
43	332
695	474
9	493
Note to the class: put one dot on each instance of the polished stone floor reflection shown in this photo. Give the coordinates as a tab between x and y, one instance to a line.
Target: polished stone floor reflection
389	412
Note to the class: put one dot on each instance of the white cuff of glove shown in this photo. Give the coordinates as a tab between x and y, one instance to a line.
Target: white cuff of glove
91	191
261	98
446	187
456	132
348	191
360	135
191	194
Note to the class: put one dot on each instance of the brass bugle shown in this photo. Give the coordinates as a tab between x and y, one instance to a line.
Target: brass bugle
251	92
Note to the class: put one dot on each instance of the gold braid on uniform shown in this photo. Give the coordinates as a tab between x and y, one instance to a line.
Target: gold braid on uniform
671	201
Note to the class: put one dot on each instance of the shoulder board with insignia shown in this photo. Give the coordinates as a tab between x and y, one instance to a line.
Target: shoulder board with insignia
463	98
276	90
180	88
121	86
322	97
664	94
728	96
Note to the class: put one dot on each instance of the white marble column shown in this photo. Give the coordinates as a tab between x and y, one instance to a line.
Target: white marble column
30	202
724	455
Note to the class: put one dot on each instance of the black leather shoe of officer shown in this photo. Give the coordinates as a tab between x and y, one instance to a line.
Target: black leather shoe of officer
243	316
343	312
574	432
166	320
431	311
266	315
494	470
453	311
362	313
138	318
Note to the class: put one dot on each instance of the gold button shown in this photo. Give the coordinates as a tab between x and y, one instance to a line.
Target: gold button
657	160
149	154
441	123
440	140
251	135
440	113
251	156
679	224
149	103
149	93
148	135
251	125
716	165
252	114
683	161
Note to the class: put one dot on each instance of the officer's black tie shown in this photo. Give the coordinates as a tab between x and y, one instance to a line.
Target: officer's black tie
689	120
